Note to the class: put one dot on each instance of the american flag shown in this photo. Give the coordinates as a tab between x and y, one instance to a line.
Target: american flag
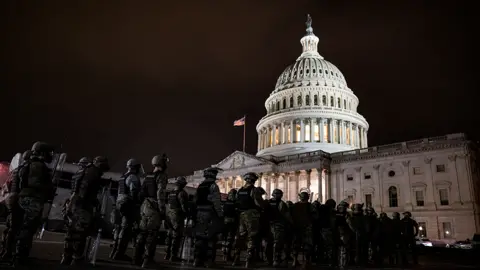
239	122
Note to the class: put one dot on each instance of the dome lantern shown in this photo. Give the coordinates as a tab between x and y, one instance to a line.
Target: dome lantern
309	42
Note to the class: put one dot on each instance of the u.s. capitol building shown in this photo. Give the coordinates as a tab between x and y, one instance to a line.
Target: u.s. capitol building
313	137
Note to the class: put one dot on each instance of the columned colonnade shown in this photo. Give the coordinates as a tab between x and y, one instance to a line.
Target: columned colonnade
316	180
322	130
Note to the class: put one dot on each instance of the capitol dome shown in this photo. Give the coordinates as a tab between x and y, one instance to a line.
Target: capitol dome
311	108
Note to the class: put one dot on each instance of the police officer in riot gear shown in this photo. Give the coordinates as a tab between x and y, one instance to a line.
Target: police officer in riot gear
176	213
80	210
249	203
279	218
127	204
32	187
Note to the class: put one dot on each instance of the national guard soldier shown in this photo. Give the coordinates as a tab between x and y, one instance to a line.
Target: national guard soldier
303	216
327	224
386	239
82	163
397	230
357	224
249	202
176	213
127	202
208	217
231	224
80	210
14	218
279	220
342	234
32	185
372	233
289	236
410	231
150	222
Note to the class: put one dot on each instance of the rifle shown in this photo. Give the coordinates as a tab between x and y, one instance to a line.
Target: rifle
61	158
184	239
92	255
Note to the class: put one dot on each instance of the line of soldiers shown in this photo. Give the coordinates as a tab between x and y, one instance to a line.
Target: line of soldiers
323	233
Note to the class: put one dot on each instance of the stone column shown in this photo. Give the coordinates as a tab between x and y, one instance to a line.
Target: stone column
281	133
268	190
274	132
328	175
260	175
293	126
321	125
287	186
309	175
455	194
381	192
330	130
407	193
351	134
320	184
259	142
302	130
357	133
430	196
312	130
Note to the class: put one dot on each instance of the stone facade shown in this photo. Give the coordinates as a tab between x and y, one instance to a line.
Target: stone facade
434	178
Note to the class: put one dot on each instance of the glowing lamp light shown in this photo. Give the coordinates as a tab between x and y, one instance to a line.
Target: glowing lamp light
447	232
420	228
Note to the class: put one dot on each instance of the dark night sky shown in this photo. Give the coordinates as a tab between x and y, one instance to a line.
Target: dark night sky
136	78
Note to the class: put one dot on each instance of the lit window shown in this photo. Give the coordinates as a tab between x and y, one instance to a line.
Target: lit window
325	132
277	135
422	229
307	132
335	133
443	194
316	133
368	200
348	135
392	197
299	131
447	230
419	198
289	132
440	168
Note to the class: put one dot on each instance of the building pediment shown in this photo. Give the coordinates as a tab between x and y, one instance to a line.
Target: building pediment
239	160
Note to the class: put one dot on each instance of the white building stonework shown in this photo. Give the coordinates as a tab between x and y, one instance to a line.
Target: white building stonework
305	142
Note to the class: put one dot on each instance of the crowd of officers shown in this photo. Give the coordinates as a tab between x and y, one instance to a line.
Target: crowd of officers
270	230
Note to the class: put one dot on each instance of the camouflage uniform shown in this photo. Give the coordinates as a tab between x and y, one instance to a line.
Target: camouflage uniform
342	235
279	219
231	224
128	206
327	220
32	183
386	239
80	210
303	215
249	202
357	224
289	236
14	217
176	213
208	218
397	230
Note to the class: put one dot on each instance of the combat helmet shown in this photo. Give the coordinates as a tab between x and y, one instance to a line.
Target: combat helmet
160	161
211	172
180	181
250	177
101	162
277	194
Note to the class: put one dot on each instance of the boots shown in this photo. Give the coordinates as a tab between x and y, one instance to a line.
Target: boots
295	260
236	260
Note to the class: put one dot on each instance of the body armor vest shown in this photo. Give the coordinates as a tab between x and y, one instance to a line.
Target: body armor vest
172	200
301	213
203	190
229	209
89	184
274	212
34	176
123	189
244	198
149	187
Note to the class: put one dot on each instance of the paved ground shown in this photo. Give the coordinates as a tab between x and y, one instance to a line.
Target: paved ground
46	254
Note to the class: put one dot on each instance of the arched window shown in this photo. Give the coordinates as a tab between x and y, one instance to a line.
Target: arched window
324	100
278	106
284	103
307	100
339	101
345	104
291	102
299	100
332	102
315	100
392	196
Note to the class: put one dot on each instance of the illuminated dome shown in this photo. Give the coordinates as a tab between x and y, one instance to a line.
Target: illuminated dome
311	108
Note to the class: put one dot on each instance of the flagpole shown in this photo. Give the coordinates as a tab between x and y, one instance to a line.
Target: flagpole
244	128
